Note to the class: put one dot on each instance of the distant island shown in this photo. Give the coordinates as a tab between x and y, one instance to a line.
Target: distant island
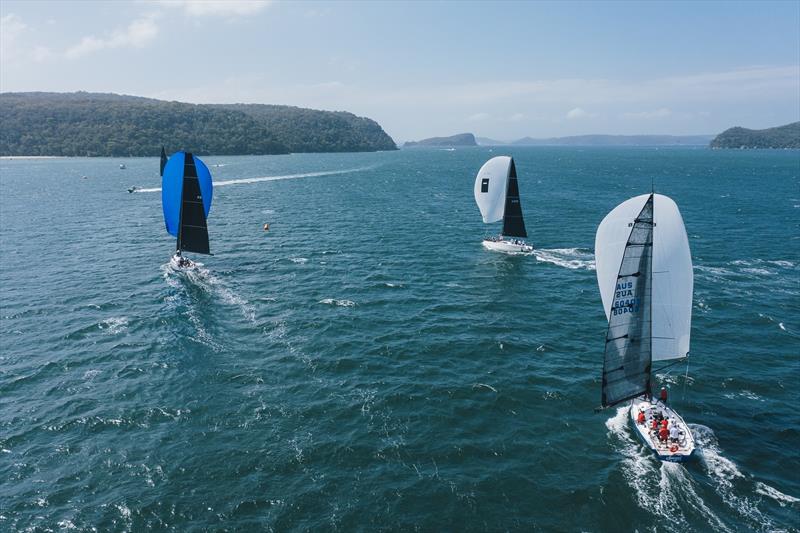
461	139
112	125
787	136
607	140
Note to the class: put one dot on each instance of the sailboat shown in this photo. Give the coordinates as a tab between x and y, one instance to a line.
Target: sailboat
186	192
644	270
497	196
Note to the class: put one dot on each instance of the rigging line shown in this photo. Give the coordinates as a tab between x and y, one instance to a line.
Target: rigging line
685	380
668	366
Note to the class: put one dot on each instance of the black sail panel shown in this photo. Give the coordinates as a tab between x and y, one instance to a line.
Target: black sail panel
513	224
193	233
628	353
163	160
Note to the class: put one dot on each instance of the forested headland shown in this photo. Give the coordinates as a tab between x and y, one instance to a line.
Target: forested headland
95	124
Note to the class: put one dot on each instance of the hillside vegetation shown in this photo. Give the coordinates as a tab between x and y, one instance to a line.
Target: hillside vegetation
787	136
92	124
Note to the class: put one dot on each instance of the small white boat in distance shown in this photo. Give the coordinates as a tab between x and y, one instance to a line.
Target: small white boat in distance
497	196
122	166
644	271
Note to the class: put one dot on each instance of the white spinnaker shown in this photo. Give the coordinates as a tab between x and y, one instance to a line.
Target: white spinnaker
673	279
492	203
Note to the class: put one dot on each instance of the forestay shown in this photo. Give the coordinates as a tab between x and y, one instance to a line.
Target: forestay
672	280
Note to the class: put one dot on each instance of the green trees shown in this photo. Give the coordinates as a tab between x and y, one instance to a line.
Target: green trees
787	136
92	124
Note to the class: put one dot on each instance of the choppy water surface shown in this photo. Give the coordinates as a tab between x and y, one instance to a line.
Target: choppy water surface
366	364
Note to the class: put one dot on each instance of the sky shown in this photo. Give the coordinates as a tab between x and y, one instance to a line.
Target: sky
502	70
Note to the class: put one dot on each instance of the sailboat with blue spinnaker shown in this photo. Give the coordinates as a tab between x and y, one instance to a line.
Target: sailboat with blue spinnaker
186	192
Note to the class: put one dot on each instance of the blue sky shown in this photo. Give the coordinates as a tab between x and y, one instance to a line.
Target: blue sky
499	69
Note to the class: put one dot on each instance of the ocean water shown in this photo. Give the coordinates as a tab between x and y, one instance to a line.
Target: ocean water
367	365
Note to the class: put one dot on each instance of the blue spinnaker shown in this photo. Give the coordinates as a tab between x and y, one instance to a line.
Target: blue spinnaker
172	189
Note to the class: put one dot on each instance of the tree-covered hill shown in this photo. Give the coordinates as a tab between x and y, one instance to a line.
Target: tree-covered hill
787	136
460	139
92	124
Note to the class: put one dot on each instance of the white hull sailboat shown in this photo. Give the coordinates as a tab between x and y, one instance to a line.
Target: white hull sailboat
644	270
510	246
186	191
497	195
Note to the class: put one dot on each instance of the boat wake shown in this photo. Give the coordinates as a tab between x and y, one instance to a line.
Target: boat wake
669	491
338	303
572	258
733	486
203	278
243	181
663	489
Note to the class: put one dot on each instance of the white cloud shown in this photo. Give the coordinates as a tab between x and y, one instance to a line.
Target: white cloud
577	113
478	117
662	112
138	34
41	54
11	29
234	8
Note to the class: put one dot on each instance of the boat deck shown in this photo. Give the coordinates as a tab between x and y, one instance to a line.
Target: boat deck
670	450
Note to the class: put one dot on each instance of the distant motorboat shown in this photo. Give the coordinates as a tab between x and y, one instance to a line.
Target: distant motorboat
122	166
644	271
497	196
133	189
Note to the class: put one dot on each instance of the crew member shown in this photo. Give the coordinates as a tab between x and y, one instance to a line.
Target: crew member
663	433
640	419
664	395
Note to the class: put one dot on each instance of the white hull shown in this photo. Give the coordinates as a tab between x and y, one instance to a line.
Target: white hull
676	452
508	246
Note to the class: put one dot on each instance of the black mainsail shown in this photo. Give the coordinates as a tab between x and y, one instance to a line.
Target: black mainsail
192	230
513	224
628	353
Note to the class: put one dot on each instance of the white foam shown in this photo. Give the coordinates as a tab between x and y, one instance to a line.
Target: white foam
243	181
114	325
338	303
660	487
298	260
775	494
757	271
572	258
724	473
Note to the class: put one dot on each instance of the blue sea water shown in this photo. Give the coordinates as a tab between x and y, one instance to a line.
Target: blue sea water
367	365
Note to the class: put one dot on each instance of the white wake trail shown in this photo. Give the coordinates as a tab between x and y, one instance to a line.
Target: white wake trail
243	181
